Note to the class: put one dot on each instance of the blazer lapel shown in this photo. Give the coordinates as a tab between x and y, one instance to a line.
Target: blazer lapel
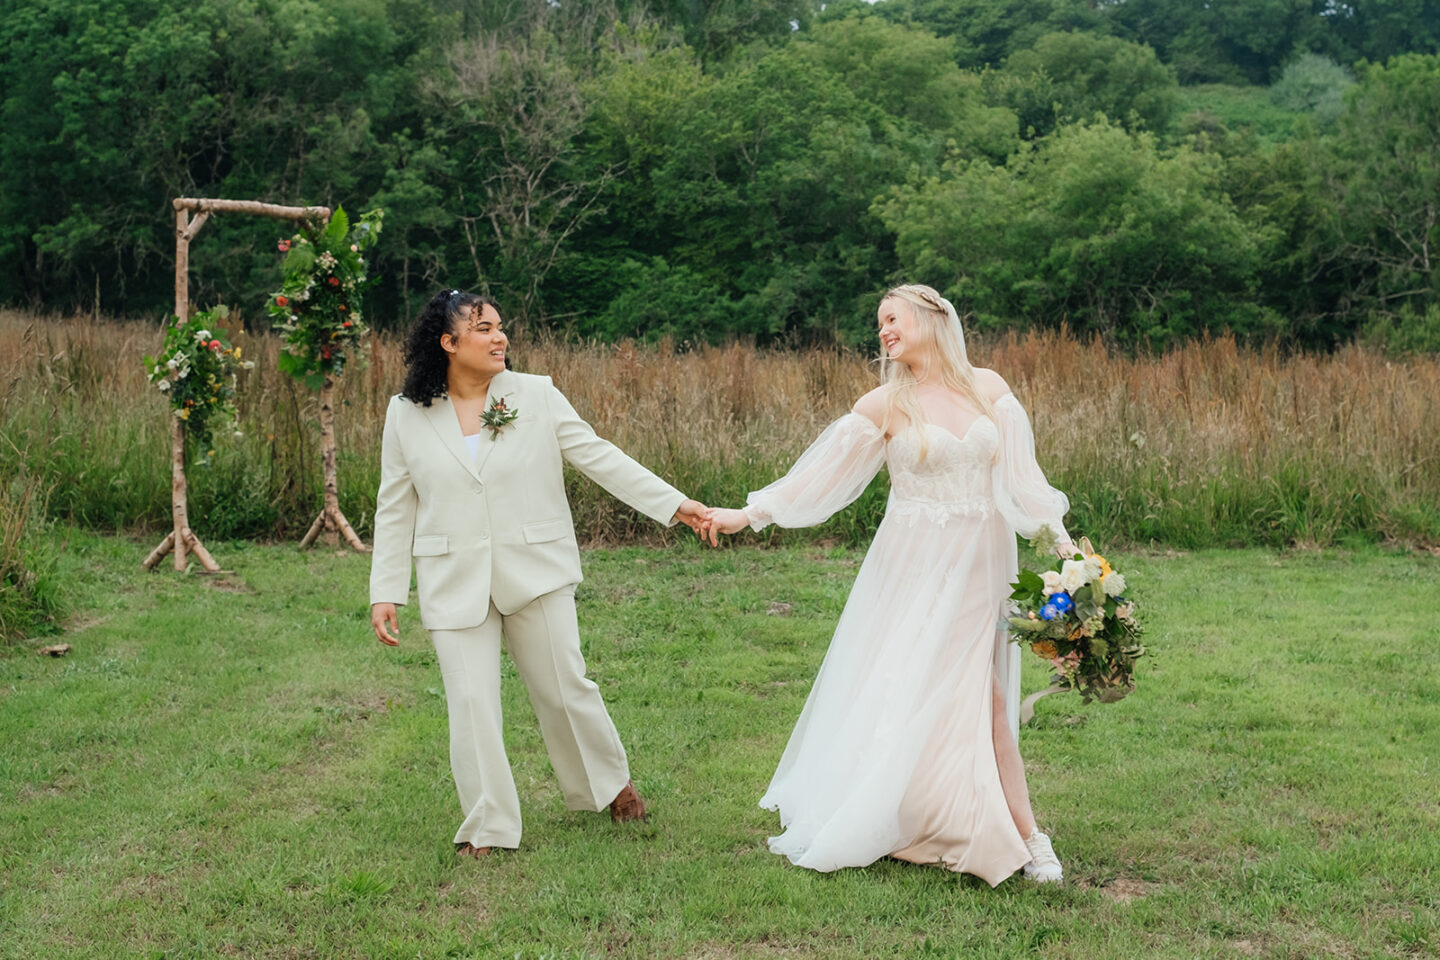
501	386
441	414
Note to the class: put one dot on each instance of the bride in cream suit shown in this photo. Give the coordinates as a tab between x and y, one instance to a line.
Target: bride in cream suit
472	488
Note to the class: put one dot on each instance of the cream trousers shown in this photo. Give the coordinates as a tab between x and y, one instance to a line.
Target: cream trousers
543	640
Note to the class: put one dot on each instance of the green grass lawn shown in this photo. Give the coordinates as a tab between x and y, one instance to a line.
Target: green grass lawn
233	766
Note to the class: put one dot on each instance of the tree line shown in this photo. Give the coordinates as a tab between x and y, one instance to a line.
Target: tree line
1147	170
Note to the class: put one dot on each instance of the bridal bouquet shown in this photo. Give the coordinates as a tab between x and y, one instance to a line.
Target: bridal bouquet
1075	614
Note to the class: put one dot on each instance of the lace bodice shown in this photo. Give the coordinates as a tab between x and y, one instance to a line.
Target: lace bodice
952	479
990	469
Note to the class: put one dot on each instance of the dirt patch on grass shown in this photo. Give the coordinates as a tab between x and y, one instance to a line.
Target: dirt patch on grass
229	583
1121	889
84	622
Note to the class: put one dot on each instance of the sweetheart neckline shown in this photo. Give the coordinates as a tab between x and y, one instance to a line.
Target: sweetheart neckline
949	433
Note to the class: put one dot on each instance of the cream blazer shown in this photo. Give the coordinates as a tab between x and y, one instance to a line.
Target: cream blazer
496	526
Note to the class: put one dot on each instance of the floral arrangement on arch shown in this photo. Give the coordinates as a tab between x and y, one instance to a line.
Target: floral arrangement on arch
1074	613
196	372
317	308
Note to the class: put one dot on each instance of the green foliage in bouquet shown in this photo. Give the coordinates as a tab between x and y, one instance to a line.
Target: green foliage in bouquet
1074	613
317	309
196	372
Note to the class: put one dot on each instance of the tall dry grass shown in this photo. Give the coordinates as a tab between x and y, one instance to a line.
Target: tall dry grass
1207	444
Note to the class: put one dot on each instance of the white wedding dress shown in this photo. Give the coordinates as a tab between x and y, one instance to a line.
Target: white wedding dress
893	753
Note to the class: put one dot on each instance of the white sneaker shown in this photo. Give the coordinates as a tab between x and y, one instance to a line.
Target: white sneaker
1044	866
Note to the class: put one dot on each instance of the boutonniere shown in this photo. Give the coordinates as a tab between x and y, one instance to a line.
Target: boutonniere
498	416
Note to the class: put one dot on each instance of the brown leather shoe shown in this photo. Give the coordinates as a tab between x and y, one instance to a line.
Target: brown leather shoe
627	805
467	850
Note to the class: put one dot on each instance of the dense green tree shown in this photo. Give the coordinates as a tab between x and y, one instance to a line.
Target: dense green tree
644	92
764	193
1074	76
1234	41
1278	193
986	32
1382	187
1093	227
707	169
110	110
911	75
1380	29
750	191
1251	40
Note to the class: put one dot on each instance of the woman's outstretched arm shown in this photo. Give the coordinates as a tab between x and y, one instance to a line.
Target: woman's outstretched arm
828	477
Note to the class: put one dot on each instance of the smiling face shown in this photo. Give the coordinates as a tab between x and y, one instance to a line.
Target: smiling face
477	345
900	337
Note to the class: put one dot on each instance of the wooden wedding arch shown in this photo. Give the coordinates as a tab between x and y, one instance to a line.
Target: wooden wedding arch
181	539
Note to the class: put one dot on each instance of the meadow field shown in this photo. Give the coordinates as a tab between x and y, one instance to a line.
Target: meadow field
232	766
1207	444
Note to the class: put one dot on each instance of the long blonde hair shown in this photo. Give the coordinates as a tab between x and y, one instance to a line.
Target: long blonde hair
940	330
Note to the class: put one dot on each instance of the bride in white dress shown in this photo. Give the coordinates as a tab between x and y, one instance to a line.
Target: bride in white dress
907	744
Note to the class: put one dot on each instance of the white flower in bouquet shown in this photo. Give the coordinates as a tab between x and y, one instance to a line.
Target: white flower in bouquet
1072	575
1052	582
174	362
202	335
1093	569
1114	584
164	386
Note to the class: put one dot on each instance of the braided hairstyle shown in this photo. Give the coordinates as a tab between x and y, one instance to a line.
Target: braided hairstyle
426	362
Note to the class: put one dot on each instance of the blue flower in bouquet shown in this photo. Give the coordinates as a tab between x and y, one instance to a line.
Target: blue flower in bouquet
1062	602
1050	611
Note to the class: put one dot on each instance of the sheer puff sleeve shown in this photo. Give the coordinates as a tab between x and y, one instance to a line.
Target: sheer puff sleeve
828	477
1023	495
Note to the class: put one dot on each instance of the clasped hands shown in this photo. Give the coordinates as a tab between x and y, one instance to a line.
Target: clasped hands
710	522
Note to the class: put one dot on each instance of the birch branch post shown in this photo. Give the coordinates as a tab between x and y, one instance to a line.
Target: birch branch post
331	521
181	540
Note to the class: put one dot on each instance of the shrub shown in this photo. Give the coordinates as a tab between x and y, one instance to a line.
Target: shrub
1313	83
30	600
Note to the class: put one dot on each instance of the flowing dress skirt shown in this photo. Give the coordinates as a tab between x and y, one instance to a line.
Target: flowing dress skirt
893	753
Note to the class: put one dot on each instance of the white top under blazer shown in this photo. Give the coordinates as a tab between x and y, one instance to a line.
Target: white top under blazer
494	525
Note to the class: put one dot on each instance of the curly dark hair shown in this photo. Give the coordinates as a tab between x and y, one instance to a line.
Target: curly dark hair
426	362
